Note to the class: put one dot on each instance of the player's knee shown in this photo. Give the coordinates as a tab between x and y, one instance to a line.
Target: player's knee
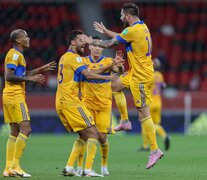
26	131
84	136
143	112
94	134
102	138
14	133
29	131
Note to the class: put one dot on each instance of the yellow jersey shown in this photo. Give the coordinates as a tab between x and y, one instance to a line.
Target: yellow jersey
68	79
137	40
97	94
158	84
14	92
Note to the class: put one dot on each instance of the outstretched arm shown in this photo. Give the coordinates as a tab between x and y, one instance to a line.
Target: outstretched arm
92	75
10	76
104	44
47	67
101	70
103	30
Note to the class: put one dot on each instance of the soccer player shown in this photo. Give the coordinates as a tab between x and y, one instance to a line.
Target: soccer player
139	78
97	97
156	107
14	104
71	110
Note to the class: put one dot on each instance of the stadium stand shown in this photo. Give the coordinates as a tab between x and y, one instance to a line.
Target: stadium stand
178	31
47	26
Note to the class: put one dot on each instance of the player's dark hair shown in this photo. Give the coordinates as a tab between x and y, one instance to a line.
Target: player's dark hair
15	35
131	8
96	37
72	35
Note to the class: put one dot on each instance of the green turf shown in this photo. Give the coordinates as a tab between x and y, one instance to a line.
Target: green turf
46	155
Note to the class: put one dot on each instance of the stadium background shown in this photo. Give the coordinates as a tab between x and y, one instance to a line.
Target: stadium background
179	34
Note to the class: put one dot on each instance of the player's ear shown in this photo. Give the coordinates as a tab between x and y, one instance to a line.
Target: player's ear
73	42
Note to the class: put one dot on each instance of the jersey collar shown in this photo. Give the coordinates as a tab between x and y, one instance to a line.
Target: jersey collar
18	50
138	22
91	59
71	51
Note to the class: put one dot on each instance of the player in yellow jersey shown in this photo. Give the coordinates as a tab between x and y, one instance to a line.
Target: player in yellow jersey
139	78
14	103
71	110
156	107
97	97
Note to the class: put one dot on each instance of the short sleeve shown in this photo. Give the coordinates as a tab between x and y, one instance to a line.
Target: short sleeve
125	36
78	65
12	60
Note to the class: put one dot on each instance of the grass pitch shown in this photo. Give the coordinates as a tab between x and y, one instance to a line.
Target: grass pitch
46	155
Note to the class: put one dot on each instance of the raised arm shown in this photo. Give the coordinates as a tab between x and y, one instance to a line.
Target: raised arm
103	30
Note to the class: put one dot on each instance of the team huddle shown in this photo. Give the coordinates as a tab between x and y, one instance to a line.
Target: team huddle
84	93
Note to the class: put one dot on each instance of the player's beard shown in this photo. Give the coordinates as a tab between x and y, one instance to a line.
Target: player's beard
126	24
80	52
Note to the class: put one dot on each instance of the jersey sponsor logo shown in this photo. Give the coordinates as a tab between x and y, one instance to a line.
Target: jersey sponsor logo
79	59
15	56
125	31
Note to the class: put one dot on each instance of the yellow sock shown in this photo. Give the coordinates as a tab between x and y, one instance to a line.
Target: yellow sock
104	153
77	148
91	152
81	157
144	139
10	146
149	129
160	130
121	103
19	149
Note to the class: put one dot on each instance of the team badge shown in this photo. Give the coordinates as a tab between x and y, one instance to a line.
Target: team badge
125	31
78	59
15	56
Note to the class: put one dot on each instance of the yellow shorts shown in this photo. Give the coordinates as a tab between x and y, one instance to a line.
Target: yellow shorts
75	118
16	113
141	92
103	120
155	110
